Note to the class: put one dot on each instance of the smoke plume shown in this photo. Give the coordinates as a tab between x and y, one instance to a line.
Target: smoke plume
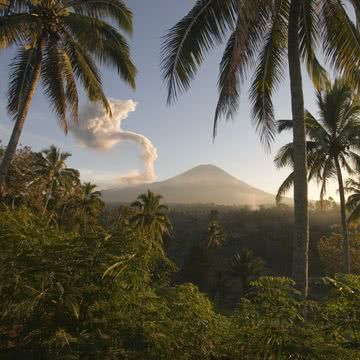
97	130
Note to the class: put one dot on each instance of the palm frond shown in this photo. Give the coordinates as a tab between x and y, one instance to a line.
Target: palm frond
17	29
22	77
284	125
269	73
341	40
86	71
238	58
285	187
284	156
53	82
101	9
309	38
71	92
186	44
106	44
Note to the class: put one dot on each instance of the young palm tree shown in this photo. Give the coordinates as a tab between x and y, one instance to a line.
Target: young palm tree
50	164
333	143
246	266
151	215
88	204
215	234
269	34
59	42
353	201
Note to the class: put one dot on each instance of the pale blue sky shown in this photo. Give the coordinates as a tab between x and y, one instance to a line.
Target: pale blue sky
182	133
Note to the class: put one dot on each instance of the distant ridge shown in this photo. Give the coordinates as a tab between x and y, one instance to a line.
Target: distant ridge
203	184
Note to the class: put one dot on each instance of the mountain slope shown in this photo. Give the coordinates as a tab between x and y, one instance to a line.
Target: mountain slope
203	184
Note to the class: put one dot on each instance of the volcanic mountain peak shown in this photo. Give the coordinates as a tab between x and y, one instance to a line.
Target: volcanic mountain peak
203	184
204	174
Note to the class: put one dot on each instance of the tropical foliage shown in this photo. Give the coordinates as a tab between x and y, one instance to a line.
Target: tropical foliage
83	281
63	298
333	143
330	252
151	215
215	233
50	166
60	43
245	266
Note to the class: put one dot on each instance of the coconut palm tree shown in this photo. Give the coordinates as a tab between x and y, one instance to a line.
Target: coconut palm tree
215	234
269	34
50	164
151	215
246	266
59	42
333	143
353	201
88	204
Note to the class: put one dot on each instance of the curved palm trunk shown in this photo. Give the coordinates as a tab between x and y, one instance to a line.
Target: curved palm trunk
344	224
15	135
301	217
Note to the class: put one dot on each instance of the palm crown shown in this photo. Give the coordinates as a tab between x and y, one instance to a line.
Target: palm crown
61	42
88	204
353	201
50	164
64	39
333	143
332	137
258	36
151	214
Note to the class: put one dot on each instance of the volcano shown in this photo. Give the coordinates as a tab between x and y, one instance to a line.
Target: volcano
203	184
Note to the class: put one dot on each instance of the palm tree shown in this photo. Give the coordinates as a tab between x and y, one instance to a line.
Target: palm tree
215	234
353	201
151	215
246	266
88	204
269	34
333	143
60	42
50	164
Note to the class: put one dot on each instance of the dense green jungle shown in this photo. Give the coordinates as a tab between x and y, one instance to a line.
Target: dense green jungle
82	280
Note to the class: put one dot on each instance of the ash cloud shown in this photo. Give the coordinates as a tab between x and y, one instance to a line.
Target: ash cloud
97	130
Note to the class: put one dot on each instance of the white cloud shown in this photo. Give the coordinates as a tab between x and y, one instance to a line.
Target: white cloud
97	130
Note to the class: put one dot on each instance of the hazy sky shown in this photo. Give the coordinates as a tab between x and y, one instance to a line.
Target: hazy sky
181	133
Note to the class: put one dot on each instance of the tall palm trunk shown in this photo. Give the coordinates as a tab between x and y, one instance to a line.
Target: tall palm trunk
15	135
49	195
344	224
301	217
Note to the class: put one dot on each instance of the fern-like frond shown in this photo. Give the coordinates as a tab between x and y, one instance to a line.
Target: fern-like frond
71	92
106	44
186	44
103	9
269	73
17	29
86	71
309	40
238	58
341	40
53	82
284	187
22	77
